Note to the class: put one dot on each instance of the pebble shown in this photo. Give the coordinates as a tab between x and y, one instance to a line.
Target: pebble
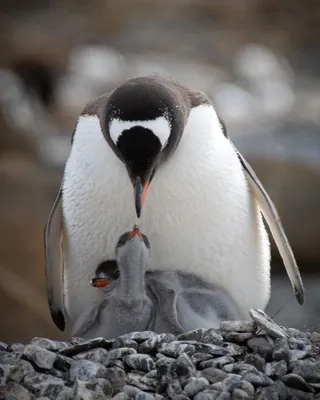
238	326
140	362
43	358
267	324
232	363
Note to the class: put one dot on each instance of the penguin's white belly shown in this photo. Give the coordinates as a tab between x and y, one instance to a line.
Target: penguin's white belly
199	215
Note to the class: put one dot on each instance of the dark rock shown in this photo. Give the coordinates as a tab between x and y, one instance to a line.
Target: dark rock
209	336
140	362
239	394
200	357
214	375
116	376
86	346
43	358
297	382
276	369
261	346
232	381
117	363
174	388
207	395
63	363
257	378
3	346
256	360
299	394
105	386
131	391
195	385
238	326
238	337
134	379
308	370
268	393
144	396
281	350
185	361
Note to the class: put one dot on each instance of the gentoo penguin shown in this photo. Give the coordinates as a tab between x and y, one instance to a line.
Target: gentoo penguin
127	308
157	150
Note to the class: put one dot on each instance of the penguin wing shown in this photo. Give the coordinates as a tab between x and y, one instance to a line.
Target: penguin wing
271	215
53	240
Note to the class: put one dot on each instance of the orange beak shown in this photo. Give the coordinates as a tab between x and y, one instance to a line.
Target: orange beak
100	282
135	231
140	192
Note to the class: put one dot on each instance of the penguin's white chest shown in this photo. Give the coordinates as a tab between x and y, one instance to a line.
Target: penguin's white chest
199	215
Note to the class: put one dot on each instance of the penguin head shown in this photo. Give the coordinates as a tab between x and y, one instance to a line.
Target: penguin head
143	120
132	248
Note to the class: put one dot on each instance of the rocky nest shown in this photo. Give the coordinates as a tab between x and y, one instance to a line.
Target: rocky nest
242	360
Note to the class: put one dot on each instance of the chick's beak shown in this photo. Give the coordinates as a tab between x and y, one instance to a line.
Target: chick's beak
135	232
140	192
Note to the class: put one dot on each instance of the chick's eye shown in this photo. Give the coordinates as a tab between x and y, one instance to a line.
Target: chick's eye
123	239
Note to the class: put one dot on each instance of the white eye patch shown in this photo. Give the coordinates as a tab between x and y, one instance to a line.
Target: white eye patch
159	126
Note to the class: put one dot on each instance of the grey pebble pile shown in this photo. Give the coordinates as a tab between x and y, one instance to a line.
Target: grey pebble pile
242	360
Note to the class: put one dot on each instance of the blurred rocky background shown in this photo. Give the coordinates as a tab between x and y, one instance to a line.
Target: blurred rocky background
258	60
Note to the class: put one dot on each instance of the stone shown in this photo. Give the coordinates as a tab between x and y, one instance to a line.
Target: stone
195	385
238	326
214	375
231	382
238	337
130	390
13	390
297	382
44	385
121	396
257	378
125	342
118	354
200	357
261	346
96	355
281	350
144	396
139	337
217	362
267	324
86	346
239	394
43	358
174	388
268	393
150	345
140	362
85	370
314	339
256	360
51	345
175	348
209	336
3	346
207	395
4	372
185	361
276	369
63	363
105	386
19	370
135	379
82	392
116	376
308	370
15	347
8	358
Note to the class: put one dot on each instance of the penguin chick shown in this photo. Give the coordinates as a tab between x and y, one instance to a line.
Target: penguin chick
127	308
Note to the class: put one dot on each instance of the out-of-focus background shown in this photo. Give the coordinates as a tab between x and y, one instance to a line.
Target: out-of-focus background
259	61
